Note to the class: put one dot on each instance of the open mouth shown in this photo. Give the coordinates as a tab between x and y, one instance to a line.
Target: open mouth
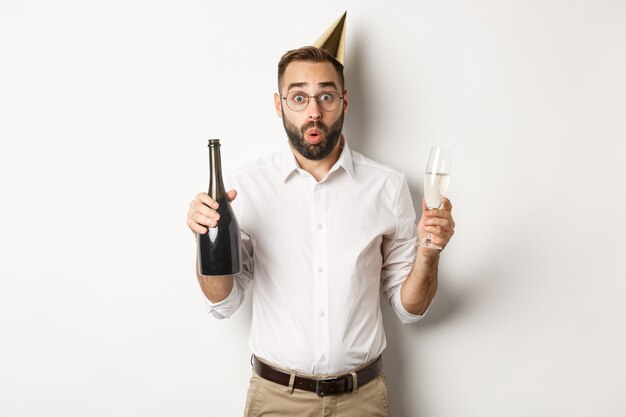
313	135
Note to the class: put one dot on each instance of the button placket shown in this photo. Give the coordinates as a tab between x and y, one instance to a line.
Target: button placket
320	279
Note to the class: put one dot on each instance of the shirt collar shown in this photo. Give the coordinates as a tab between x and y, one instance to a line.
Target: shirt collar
288	163
345	160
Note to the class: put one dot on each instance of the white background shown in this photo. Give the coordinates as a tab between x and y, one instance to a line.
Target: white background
105	110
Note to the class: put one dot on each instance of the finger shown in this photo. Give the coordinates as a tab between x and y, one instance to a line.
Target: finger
440	213
204	220
195	227
432	212
437	221
434	230
437	231
202	209
447	204
205	199
231	195
442	231
439	236
198	228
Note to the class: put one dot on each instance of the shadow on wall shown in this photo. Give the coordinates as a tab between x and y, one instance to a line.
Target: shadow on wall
448	303
452	302
356	121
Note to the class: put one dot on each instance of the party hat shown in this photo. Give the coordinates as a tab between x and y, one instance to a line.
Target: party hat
334	39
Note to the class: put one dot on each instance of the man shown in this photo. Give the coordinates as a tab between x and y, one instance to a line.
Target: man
324	231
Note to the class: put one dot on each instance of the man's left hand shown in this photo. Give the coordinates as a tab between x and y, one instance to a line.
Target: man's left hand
438	223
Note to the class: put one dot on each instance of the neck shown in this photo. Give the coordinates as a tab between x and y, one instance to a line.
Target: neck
319	169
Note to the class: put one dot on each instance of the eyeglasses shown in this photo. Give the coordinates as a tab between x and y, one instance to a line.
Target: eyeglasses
298	101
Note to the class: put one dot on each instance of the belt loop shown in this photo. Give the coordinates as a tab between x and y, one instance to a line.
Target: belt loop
292	379
355	383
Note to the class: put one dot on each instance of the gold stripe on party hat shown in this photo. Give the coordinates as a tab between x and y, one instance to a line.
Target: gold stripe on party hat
334	39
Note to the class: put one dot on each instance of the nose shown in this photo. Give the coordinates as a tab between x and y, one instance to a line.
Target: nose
313	109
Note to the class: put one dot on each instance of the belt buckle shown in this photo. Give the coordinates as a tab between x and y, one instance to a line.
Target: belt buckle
321	384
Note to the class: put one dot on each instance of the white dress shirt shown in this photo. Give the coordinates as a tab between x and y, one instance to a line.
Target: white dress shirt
317	255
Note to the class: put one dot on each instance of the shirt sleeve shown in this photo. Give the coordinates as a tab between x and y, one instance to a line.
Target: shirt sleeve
399	250
241	282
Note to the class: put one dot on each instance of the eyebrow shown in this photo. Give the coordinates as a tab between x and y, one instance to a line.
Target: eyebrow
323	84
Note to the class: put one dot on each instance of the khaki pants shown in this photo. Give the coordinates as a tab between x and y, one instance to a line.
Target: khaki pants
268	399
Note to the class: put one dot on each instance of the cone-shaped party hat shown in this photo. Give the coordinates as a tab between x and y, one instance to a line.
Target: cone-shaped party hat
334	39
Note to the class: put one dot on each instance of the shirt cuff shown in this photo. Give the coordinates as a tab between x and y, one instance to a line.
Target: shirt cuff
225	308
404	316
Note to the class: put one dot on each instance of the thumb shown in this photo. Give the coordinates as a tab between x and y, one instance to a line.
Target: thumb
231	195
424	206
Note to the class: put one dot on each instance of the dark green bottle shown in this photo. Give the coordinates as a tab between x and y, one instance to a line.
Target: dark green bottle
219	250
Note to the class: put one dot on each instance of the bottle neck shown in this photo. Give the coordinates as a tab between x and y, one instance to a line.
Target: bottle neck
216	183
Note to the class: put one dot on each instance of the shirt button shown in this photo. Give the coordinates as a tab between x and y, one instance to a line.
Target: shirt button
319	226
323	358
320	269
322	313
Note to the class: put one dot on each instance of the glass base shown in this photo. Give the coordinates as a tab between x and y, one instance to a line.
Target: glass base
429	244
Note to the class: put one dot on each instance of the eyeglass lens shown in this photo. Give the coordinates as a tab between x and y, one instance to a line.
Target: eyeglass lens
328	101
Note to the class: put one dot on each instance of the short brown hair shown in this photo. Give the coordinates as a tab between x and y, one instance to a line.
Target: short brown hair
311	54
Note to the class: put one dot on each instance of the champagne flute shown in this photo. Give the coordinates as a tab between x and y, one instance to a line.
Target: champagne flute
436	181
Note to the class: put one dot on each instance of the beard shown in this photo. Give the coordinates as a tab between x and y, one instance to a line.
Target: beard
320	150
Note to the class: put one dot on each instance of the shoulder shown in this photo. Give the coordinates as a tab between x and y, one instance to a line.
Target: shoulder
367	167
392	187
264	165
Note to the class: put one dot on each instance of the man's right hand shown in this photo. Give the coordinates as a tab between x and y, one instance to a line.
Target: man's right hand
202	212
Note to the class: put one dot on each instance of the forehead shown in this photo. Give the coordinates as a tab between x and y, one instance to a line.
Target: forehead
310	74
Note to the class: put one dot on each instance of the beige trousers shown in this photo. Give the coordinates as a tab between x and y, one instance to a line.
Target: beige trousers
268	399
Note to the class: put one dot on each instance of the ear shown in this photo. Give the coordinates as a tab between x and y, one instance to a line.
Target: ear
277	105
345	100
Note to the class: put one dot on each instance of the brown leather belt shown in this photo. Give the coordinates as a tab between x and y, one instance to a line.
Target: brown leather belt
322	387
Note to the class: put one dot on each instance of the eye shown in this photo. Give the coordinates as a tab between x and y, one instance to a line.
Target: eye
298	98
326	97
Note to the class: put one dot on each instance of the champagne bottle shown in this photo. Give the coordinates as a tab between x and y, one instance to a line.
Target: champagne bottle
219	249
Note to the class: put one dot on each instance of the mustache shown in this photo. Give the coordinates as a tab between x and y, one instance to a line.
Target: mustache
314	125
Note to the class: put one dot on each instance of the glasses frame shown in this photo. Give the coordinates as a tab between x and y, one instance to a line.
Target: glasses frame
308	100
